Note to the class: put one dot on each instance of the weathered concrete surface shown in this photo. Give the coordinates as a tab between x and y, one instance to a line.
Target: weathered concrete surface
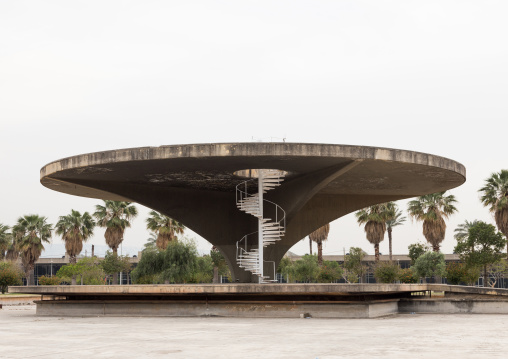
372	309
195	184
23	335
18	299
454	306
245	288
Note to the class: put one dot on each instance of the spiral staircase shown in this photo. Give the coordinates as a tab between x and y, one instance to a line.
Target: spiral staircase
249	199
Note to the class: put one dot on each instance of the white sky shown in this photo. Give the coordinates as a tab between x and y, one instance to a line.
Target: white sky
86	76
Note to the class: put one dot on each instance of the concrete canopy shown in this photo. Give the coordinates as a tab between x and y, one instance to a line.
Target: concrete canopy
195	184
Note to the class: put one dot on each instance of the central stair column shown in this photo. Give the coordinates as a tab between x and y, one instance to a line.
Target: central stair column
260	226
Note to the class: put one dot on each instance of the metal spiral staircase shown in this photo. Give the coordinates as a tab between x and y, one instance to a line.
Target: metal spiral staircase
249	198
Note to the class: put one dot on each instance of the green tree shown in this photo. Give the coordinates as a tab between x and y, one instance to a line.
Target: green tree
395	218
112	264
176	264
430	264
353	267
407	276
75	229
482	247
306	269
10	274
30	232
87	270
319	236
203	272
386	272
5	240
329	272
285	267
416	250
164	227
432	209
494	194
115	216
220	266
374	218
455	272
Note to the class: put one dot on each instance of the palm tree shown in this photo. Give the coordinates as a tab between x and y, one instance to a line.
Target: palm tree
495	196
5	240
29	234
395	219
432	209
462	230
164	227
319	236
75	229
115	216
151	242
374	218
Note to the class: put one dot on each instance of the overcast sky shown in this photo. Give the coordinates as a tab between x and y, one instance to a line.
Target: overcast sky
86	76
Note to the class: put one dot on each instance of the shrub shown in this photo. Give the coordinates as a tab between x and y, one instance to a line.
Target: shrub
329	272
471	275
87	270
455	272
430	264
306	269
43	280
176	264
407	276
386	272
10	274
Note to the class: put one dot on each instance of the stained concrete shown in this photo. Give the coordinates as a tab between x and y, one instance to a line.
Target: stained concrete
83	308
195	184
23	335
255	289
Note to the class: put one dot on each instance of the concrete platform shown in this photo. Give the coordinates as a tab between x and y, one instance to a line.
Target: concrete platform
265	301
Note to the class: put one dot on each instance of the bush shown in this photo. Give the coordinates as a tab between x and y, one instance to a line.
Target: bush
430	264
386	272
43	280
203	272
176	264
306	269
87	270
10	274
455	272
329	272
407	276
471	275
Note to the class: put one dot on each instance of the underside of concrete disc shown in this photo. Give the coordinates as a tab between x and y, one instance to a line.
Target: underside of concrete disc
195	184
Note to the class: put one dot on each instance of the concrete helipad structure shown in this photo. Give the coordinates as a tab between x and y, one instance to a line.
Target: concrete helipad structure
269	300
195	184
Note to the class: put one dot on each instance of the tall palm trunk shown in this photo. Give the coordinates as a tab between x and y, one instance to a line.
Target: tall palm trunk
320	253
390	242
30	274
310	245
115	275
376	250
435	247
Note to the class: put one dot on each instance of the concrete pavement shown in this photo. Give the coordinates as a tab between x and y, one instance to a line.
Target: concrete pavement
23	335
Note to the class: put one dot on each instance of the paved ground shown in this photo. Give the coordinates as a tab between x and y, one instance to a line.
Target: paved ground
23	335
